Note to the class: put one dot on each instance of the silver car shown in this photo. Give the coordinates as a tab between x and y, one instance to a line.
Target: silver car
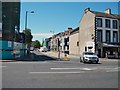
89	57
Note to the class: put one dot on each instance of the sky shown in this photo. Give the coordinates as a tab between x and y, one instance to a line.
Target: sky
57	16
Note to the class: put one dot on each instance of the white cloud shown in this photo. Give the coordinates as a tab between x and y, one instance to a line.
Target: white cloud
42	34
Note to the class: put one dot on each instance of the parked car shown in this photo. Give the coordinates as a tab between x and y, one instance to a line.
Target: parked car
89	57
43	49
31	48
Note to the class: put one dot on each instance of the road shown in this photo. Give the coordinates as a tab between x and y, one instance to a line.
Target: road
45	72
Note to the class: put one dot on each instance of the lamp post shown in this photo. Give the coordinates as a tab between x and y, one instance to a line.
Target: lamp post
26	16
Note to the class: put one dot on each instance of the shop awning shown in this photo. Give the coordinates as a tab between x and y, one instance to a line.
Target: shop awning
110	45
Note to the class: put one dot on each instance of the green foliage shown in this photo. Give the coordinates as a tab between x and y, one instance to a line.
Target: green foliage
54	48
28	36
36	44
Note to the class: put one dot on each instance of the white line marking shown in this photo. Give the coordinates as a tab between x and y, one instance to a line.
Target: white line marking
63	68
86	69
72	68
3	66
112	71
55	72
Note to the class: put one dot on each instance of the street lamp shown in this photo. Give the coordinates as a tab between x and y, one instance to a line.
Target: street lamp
27	17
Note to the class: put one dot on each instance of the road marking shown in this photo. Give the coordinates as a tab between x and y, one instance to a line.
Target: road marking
86	69
56	72
63	68
73	68
112	71
3	66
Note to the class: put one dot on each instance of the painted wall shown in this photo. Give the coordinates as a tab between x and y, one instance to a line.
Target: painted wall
73	48
11	50
86	29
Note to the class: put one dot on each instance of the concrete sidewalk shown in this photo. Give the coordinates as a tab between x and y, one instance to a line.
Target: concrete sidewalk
55	55
23	58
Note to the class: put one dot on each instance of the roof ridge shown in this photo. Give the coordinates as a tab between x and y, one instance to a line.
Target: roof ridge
105	14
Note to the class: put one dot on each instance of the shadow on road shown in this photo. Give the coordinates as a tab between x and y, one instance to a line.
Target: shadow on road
93	63
34	57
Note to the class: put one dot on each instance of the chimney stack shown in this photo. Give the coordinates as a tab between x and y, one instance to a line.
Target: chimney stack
69	28
108	11
86	10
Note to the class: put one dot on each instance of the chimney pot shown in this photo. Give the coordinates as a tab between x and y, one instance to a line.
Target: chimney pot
69	28
108	11
86	10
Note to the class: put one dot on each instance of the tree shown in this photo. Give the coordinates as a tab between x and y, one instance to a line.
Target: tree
28	36
36	44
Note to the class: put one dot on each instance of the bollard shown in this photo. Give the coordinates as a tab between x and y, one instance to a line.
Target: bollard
65	57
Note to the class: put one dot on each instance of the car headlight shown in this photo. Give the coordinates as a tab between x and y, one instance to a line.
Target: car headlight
86	57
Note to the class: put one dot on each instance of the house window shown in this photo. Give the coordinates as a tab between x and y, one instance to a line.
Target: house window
107	23
115	36
115	24
77	43
108	36
99	22
85	49
99	35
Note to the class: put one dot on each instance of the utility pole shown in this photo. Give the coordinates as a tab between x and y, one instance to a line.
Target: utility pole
26	16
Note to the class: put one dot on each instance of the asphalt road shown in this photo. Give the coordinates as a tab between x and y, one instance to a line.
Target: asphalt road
46	72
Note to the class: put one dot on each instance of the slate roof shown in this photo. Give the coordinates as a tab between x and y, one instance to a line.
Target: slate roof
101	14
76	30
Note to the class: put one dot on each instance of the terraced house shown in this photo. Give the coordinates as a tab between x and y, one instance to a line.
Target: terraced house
100	33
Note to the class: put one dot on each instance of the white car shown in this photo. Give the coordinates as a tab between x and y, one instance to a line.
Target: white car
89	57
43	49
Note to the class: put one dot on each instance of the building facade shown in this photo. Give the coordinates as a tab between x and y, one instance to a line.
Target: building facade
99	33
12	47
66	42
11	20
74	42
0	30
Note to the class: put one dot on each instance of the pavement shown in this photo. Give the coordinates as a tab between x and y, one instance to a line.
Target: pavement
55	55
23	58
34	56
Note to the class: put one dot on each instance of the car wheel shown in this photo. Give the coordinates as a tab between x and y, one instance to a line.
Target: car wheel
84	60
80	59
96	62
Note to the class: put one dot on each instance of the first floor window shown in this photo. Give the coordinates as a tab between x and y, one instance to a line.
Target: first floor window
77	43
107	23
115	25
99	22
85	49
115	36
99	35
108	36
